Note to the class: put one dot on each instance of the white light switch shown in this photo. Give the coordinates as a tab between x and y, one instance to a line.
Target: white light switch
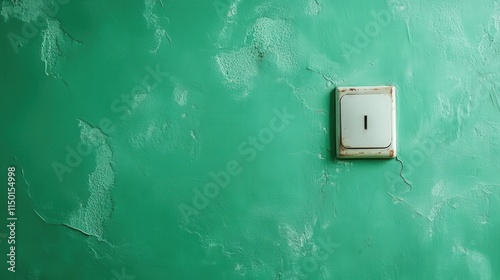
366	123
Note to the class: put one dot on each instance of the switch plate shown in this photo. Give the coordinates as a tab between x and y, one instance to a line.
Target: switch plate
366	122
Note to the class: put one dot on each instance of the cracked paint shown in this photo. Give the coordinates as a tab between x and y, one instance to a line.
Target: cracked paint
154	14
268	39
401	173
27	10
55	46
38	17
92	216
313	7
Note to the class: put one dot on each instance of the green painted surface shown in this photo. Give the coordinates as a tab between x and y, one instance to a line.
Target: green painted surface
191	139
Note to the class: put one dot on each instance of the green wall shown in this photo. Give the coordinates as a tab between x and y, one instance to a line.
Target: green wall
192	140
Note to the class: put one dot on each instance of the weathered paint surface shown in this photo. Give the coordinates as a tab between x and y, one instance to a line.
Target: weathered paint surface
191	139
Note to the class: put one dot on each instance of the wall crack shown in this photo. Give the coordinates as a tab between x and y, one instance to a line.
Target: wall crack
401	173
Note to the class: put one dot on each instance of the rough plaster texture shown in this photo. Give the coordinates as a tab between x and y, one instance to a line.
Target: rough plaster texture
192	139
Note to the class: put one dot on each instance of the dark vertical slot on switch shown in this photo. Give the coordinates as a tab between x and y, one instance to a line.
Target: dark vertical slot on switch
366	122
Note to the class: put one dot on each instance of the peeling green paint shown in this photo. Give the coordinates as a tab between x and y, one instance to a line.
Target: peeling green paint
55	46
94	213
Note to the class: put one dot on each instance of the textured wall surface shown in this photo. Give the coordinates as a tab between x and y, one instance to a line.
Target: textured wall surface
191	140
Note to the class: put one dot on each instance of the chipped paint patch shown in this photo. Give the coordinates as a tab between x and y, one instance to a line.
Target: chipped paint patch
92	216
55	45
313	7
273	36
138	99
270	39
180	95
238	67
26	10
156	19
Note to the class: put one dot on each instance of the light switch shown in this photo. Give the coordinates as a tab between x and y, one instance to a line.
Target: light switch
366	122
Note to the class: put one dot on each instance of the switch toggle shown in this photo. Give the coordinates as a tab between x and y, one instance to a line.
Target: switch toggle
366	123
